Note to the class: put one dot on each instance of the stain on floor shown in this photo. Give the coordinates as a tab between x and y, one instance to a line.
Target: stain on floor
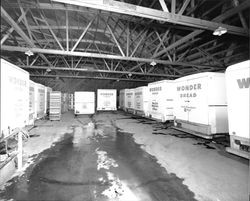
96	162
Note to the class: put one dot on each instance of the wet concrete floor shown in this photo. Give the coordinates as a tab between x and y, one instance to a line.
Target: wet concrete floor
96	162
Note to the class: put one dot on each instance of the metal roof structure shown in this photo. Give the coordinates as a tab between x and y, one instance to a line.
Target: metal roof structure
71	44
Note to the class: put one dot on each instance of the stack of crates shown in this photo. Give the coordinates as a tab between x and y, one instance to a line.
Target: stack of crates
55	105
71	101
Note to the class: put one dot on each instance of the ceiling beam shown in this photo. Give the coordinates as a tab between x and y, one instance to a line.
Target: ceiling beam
184	6
139	11
8	19
87	70
164	6
91	77
52	32
96	55
12	29
67	30
173	5
82	35
197	32
143	36
116	42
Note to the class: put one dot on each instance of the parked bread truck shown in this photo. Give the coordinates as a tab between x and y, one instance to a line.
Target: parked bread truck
14	98
106	99
237	84
129	100
84	102
122	99
141	100
161	100
201	104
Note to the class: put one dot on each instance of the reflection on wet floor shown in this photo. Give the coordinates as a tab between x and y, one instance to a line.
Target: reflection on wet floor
96	162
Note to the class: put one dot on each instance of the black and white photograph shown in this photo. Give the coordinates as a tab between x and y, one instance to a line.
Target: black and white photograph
125	100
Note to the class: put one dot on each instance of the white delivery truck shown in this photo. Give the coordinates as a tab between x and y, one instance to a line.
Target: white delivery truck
237	84
40	101
48	90
122	99
84	102
141	100
129	100
14	98
106	99
31	103
161	100
201	104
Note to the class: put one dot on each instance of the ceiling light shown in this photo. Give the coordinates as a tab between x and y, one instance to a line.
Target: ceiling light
219	31
153	63
48	69
130	74
29	53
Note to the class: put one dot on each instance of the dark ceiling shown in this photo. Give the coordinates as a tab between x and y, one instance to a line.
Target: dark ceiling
114	44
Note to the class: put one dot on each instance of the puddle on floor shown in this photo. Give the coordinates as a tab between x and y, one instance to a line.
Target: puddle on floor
96	162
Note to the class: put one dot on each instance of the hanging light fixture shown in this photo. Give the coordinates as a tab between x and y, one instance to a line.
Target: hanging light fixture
29	53
48	69
219	31
153	63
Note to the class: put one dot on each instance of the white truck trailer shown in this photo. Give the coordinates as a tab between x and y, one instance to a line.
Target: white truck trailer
237	84
14	98
31	103
141	100
84	102
106	99
122	99
201	104
40	101
129	100
161	100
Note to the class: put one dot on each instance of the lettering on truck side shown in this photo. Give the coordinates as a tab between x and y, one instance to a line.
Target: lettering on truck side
188	89
243	83
155	89
138	93
106	94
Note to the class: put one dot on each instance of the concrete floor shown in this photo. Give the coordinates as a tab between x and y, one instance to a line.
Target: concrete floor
116	156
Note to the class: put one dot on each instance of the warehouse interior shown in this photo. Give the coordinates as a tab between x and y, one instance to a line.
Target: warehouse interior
83	45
